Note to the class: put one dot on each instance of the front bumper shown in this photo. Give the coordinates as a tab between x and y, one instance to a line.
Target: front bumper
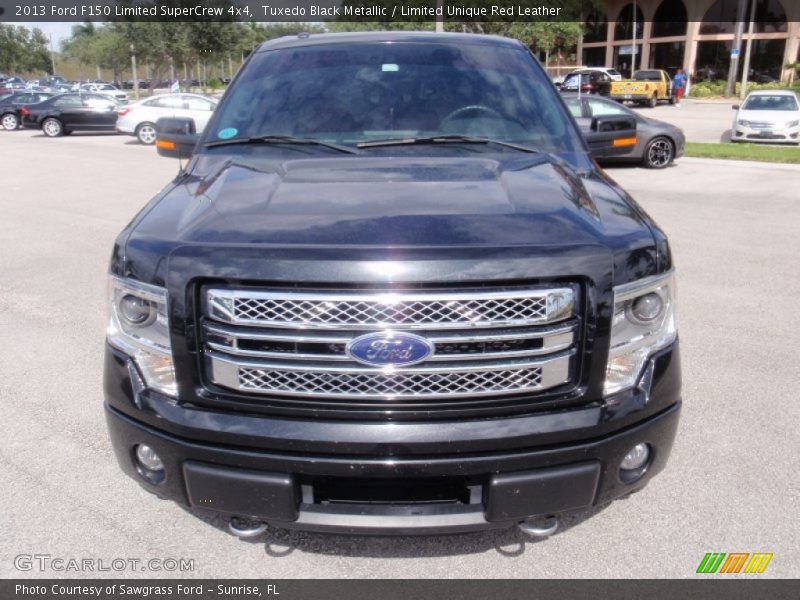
393	477
742	133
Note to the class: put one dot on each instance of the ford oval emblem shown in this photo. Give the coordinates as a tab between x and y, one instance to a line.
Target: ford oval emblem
389	349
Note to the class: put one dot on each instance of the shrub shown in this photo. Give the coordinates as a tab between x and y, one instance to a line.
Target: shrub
710	89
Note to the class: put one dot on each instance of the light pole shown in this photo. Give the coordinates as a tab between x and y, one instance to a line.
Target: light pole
733	71
747	49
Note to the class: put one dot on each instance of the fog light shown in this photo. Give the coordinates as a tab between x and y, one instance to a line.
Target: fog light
636	458
148	459
647	308
137	311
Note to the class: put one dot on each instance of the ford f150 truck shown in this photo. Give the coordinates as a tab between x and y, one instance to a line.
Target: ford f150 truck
647	87
391	292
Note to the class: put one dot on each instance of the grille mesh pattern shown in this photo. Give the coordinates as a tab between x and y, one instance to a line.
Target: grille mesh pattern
396	385
359	312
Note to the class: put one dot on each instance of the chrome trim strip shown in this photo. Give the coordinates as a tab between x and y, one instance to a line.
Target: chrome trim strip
363	369
553	340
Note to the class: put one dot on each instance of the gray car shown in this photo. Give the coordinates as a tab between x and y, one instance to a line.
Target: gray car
656	143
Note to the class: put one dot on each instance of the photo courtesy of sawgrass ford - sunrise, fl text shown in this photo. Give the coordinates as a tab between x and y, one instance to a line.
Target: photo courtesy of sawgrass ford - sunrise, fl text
399	299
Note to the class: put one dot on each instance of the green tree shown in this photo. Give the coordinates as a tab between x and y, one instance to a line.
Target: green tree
23	50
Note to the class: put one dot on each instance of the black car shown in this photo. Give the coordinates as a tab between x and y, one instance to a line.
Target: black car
10	107
654	143
589	81
390	292
65	113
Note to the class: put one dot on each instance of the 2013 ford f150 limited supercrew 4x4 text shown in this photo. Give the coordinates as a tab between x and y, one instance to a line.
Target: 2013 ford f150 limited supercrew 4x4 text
390	292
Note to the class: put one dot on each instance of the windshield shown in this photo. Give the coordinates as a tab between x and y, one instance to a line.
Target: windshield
772	102
347	94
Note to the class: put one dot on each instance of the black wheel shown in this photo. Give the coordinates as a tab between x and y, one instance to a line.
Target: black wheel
9	121
653	101
52	127
659	153
672	100
146	133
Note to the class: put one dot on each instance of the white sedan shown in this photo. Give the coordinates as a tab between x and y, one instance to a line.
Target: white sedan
106	89
140	118
768	116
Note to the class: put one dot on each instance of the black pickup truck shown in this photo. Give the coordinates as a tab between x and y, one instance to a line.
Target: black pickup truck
391	292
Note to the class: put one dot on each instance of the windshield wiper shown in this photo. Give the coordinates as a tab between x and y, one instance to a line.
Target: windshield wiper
280	139
443	139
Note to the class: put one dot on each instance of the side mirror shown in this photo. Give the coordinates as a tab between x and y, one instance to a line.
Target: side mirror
614	124
735	107
176	137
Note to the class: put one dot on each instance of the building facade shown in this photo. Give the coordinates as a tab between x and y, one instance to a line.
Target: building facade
696	35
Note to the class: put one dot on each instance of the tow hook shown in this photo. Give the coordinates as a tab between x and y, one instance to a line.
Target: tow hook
246	528
538	527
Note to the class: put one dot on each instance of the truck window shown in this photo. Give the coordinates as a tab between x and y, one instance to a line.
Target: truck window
377	91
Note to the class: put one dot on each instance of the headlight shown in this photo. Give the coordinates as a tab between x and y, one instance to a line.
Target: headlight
138	326
744	123
792	124
643	323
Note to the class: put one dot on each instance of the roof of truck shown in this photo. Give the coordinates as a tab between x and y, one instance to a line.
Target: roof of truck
312	39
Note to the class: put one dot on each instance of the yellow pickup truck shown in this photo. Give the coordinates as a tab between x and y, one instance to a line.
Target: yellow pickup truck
648	87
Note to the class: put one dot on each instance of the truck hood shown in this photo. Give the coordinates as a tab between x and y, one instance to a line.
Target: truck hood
372	209
393	202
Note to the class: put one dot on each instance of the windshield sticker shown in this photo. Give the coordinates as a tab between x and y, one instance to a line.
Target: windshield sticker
227	133
390	68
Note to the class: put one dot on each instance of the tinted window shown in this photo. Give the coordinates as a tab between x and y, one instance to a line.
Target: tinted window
98	102
68	101
647	76
359	92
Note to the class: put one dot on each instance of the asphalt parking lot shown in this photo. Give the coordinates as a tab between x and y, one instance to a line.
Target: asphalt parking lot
731	485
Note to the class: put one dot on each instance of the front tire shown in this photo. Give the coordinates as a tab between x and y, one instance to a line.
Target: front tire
10	122
52	127
659	153
146	133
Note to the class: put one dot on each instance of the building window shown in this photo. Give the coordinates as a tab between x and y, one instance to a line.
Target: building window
766	58
670	19
594	57
596	28
624	26
667	56
721	17
624	59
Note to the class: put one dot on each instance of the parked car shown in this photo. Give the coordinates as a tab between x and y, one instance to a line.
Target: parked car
654	143
140	118
105	89
612	73
648	87
589	81
767	116
11	105
65	113
391	293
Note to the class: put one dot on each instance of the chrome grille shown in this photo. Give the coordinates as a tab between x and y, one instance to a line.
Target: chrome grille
397	384
287	343
359	310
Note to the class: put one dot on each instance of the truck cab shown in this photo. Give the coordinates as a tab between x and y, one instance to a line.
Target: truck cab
390	292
